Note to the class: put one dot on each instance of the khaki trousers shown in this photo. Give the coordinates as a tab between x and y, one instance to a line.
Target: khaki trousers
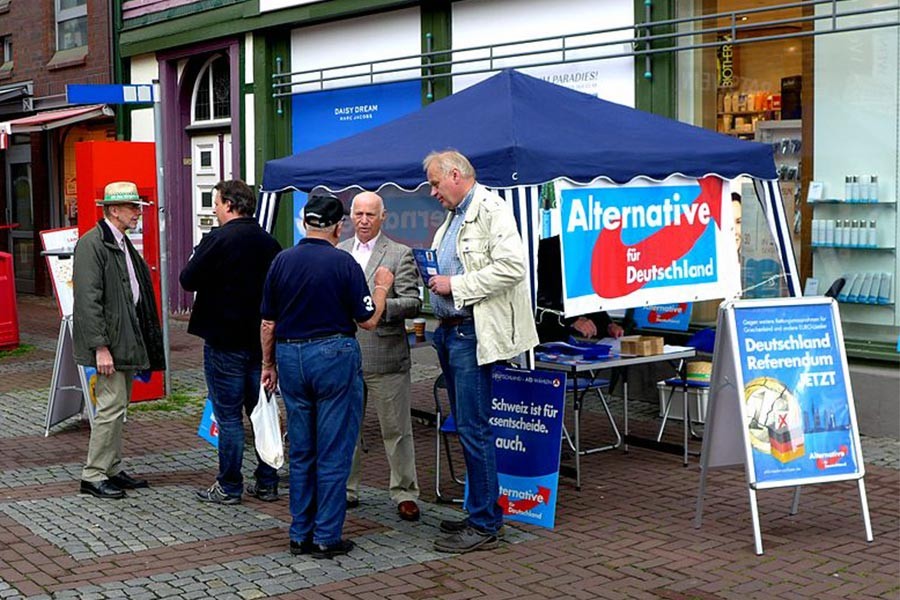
389	392
104	457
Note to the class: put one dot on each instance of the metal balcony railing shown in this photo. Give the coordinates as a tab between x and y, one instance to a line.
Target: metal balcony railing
646	39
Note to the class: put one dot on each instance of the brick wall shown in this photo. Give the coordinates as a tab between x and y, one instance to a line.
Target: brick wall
32	25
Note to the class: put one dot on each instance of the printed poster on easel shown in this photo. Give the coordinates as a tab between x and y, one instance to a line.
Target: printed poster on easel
798	409
781	403
62	242
70	385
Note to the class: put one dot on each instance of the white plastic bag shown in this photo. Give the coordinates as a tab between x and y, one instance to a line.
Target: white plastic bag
267	429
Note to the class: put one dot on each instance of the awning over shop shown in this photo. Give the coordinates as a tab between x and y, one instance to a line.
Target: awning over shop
51	119
14	92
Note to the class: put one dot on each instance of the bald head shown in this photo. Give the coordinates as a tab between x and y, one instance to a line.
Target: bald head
367	213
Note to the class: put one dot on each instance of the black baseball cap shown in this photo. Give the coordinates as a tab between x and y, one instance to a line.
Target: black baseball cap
324	210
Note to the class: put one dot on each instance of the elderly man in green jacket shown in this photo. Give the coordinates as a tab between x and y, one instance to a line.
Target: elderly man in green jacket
116	330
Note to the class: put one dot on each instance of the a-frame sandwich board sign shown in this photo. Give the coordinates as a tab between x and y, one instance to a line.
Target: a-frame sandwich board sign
70	386
781	403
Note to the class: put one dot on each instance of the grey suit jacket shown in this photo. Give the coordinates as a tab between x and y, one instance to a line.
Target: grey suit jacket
386	349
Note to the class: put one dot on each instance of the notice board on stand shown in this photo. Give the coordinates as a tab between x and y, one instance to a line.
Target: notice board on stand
781	400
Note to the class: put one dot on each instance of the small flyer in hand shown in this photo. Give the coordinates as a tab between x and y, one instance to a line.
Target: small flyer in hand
426	260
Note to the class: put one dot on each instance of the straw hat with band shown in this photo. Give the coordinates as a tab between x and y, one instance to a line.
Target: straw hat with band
698	372
121	192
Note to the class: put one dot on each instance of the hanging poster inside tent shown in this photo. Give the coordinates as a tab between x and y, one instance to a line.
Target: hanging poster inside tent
675	316
527	416
319	118
646	243
797	407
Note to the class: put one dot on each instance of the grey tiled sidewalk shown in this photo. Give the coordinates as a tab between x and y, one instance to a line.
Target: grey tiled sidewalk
626	534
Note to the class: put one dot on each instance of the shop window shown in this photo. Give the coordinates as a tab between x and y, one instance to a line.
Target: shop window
212	94
6	55
71	24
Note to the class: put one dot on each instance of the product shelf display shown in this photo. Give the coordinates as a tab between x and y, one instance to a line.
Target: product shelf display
853	238
739	113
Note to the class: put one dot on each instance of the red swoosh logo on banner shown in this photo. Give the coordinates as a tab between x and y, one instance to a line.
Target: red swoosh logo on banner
657	250
832	460
518	506
661	317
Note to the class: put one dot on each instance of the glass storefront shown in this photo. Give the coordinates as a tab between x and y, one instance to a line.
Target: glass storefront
829	106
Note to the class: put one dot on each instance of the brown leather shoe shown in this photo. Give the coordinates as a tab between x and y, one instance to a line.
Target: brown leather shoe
408	510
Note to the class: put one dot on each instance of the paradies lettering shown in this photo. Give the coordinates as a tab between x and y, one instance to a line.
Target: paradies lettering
593	216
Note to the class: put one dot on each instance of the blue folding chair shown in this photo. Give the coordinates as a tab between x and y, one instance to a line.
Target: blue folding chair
704	342
445	428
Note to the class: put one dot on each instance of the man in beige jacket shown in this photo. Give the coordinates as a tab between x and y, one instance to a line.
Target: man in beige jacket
482	300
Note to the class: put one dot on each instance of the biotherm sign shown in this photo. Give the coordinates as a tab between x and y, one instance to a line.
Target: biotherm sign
646	243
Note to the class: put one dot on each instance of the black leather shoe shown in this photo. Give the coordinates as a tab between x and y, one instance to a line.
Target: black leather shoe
101	489
351	504
266	494
304	547
332	550
124	481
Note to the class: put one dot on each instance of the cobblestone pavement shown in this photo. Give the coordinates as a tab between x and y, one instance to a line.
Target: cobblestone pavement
626	534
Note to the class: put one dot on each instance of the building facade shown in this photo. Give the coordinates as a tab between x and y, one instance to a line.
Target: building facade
238	78
46	45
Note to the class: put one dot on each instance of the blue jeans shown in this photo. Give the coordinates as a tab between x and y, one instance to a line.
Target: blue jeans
469	389
232	380
321	383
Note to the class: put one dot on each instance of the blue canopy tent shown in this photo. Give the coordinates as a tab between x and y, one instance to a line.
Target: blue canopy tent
520	132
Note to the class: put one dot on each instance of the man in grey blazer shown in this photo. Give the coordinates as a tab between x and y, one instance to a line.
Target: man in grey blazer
385	351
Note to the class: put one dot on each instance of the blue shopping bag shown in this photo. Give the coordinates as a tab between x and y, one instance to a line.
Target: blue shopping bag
209	427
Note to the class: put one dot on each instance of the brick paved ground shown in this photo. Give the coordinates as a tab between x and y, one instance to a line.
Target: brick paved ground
626	534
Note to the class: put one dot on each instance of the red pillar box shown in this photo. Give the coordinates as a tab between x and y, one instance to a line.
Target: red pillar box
100	163
9	314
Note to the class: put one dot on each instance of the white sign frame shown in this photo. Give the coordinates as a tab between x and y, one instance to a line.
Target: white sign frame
723	447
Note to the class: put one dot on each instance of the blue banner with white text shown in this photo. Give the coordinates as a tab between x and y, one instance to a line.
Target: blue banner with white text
527	416
320	118
676	316
646	243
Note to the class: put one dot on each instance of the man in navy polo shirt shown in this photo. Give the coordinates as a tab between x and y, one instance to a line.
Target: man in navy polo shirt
314	297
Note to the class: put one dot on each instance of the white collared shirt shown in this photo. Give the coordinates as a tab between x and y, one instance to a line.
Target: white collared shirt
362	252
132	278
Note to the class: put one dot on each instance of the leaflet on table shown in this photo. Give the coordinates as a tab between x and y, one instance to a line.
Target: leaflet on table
426	260
569	353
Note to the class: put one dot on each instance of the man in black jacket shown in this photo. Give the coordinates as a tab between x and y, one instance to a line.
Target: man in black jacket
227	270
116	330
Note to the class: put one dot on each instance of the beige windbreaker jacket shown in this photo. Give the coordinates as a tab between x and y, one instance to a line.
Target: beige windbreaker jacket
495	281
